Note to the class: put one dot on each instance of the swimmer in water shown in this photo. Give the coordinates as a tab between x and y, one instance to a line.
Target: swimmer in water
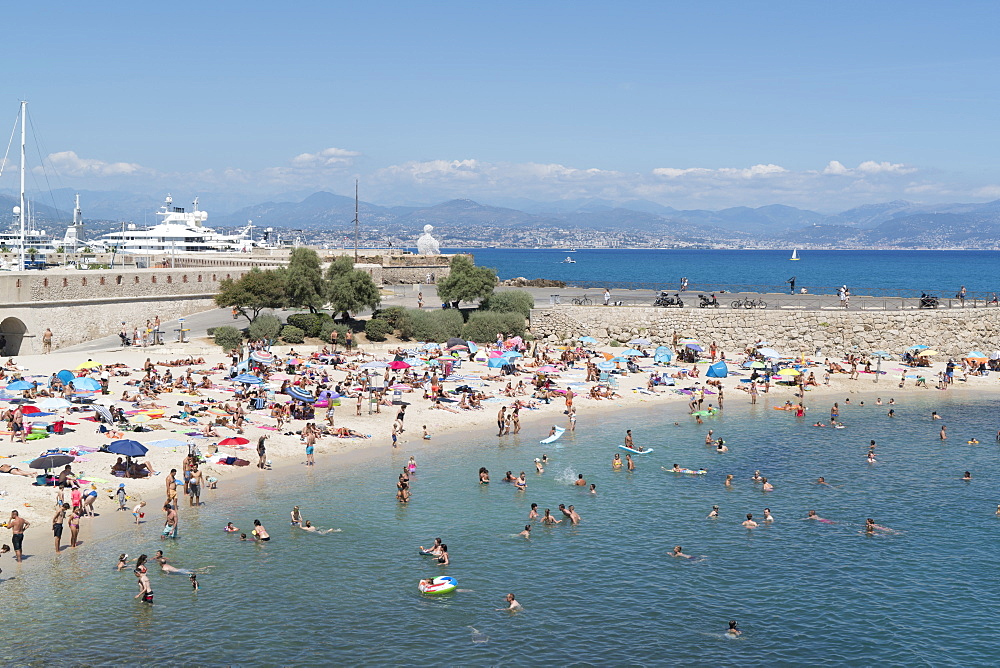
935	416
768	517
819	424
580	482
891	413
822	481
434	549
967	476
715	512
538	466
813	516
871	527
194	582
593	488
533	513
309	527
229	528
123	559
547	518
260	532
629	464
708	438
871	457
767	487
733	629
527	532
729	480
512	603
545	459
756	476
484	476
998	510
678	553
721	446
749	523
616	462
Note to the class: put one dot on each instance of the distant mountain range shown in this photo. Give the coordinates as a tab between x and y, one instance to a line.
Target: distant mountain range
897	224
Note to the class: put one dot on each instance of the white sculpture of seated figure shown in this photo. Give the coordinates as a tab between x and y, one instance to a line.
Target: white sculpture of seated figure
426	244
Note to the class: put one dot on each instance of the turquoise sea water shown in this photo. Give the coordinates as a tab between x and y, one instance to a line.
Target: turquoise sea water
604	592
938	272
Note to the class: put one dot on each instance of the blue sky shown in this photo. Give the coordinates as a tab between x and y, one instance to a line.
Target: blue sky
821	105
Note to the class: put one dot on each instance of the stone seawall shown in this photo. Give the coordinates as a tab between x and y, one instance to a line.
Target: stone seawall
953	332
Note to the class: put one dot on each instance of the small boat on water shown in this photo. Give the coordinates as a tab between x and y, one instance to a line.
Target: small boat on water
569	260
795	255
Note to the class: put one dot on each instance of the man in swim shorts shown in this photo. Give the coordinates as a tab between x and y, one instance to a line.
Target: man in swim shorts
170	524
17	525
194	486
57	524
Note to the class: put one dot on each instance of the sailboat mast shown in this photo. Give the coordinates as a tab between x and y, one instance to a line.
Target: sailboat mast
23	213
356	221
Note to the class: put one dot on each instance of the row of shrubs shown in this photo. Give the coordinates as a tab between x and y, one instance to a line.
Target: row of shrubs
500	312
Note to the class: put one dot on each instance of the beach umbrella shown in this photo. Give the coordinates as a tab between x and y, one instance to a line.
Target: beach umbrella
19	386
927	353
496	362
512	354
606	365
769	352
234	440
103	413
975	354
756	364
631	352
89	364
46	462
640	342
300	395
430	346
128	447
279	376
140	418
548	368
86	384
66	375
473	348
789	372
415	361
248	379
374	365
455	342
694	346
587	339
54	403
882	353
293	362
262	356
662	355
399	364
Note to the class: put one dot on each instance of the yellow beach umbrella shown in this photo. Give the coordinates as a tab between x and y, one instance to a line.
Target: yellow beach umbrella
788	372
89	364
925	353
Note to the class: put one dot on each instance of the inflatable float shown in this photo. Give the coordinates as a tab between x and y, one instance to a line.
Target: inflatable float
443	584
553	437
689	471
638	452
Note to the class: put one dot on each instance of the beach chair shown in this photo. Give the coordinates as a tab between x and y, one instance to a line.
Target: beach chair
613	382
397	396
604	377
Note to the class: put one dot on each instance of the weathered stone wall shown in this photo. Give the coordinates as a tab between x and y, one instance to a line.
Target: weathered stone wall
953	332
71	285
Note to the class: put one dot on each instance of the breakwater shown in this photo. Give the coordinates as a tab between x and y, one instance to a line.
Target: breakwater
953	332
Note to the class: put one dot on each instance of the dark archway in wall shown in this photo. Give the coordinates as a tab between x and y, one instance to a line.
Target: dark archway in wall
12	330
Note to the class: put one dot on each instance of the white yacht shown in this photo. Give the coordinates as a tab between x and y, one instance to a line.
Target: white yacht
569	260
180	231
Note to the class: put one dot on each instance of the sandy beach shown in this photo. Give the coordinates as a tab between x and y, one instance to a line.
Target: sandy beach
285	448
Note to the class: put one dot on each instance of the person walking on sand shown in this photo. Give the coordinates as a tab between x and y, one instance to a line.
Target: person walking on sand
47	337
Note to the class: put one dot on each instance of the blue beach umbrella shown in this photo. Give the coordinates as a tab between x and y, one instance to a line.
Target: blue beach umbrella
248	379
918	347
66	375
473	348
663	355
587	339
300	395
85	383
510	354
632	352
128	447
606	365
640	342
19	386
496	362
695	347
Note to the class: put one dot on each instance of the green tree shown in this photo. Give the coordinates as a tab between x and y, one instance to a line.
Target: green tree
253	292
32	252
229	338
304	286
265	327
349	289
510	301
60	250
466	281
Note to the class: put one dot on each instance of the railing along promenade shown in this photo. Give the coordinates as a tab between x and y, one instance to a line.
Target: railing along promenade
774	297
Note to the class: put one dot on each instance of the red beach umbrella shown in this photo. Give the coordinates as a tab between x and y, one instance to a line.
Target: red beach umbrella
234	440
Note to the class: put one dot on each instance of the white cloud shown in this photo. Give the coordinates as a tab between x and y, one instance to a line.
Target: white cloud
869	167
68	163
328	157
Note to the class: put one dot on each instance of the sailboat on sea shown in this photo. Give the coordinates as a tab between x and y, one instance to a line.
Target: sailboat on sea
795	255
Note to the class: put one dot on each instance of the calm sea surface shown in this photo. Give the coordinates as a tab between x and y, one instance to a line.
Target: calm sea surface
604	592
940	272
